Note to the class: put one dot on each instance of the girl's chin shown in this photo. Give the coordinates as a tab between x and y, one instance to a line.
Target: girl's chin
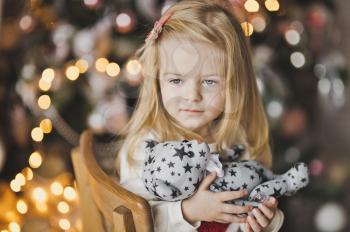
199	129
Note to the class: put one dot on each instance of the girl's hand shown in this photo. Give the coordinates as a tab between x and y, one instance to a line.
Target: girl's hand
206	205
261	218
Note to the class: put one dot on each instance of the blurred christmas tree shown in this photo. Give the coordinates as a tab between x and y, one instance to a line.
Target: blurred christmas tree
68	65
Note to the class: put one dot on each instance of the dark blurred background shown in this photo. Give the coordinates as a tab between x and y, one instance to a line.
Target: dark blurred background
67	65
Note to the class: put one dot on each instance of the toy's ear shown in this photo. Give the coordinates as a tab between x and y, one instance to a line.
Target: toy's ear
149	144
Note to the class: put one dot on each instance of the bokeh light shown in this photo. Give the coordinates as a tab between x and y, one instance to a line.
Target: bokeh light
101	64
46	125
297	59
35	160
247	28
56	188
133	67
69	193
251	6
63	207
82	65
22	206
64	224
44	101
48	75
40	195
72	72
37	134
113	69
272	5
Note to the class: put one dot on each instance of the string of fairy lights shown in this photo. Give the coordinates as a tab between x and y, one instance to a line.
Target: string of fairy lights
64	196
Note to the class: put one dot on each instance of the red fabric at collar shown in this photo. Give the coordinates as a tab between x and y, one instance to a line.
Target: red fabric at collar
212	227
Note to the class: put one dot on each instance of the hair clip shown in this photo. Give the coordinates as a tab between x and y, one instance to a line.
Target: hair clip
157	28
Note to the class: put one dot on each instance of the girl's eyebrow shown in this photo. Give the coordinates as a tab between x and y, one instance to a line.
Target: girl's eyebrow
205	75
213	74
173	73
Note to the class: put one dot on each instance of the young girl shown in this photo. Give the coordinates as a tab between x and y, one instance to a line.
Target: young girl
199	84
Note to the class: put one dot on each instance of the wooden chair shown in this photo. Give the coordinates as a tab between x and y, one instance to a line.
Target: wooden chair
104	204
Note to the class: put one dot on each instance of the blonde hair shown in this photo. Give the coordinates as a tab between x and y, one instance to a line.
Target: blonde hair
243	120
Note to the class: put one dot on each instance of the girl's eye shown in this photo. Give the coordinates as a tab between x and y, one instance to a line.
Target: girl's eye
210	82
175	81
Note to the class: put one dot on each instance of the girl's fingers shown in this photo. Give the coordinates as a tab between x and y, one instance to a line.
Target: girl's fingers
254	224
247	228
207	181
260	218
271	203
236	209
232	195
220	221
266	211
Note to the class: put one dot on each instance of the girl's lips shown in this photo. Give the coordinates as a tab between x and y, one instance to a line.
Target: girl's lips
192	111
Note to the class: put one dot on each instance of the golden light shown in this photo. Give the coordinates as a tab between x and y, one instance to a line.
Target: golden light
48	75
28	173
37	134
56	188
82	65
46	125
22	206
39	195
20	179
72	72
15	186
35	159
44	85
69	193
44	101
41	207
247	28
251	6
64	224
101	64
272	5
133	67
14	227
63	207
113	69
4	231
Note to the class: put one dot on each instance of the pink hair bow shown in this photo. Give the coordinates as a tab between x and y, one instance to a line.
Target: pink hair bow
158	26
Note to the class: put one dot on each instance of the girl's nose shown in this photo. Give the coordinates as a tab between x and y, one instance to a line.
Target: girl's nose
193	92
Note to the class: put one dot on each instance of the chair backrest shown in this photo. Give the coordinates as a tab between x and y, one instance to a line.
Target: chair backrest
105	205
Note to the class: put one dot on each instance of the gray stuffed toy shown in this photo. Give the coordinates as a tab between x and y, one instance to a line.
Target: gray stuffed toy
173	171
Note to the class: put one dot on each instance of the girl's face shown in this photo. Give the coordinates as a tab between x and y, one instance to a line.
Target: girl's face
192	89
